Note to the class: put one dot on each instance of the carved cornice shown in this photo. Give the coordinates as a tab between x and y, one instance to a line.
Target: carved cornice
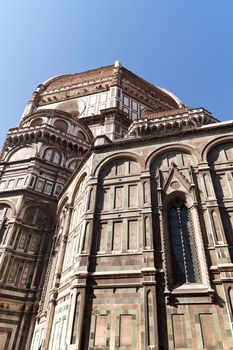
171	124
45	133
80	90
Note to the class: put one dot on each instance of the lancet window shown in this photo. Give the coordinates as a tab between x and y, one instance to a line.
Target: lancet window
184	259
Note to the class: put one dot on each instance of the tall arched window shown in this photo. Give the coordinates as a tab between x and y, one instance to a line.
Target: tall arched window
184	259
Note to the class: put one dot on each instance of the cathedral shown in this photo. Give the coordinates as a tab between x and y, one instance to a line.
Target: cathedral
116	219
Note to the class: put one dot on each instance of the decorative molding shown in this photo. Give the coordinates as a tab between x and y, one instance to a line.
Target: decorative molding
170	124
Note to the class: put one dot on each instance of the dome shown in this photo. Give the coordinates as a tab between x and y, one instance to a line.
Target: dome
101	79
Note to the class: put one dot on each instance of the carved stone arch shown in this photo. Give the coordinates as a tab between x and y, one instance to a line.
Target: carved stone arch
53	139
72	163
58	140
10	204
183	196
125	155
118	167
85	130
5	216
175	125
212	144
65	201
64	144
30	151
38	209
169	126
180	232
172	148
76	188
63	206
28	205
46	148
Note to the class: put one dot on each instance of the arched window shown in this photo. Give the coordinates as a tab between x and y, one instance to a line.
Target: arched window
73	164
184	259
36	215
52	156
5	212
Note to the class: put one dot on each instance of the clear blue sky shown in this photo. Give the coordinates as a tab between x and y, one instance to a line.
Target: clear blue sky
185	46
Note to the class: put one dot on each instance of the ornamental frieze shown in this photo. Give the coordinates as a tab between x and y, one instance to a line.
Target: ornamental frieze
74	92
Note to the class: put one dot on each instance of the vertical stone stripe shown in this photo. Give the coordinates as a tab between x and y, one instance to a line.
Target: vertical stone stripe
179	332
150	321
207	331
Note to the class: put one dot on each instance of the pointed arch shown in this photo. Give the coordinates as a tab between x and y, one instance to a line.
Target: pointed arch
172	148
183	254
65	200
214	143
76	188
21	152
36	213
10	204
130	155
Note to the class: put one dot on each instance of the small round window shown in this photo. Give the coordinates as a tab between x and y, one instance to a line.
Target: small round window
60	124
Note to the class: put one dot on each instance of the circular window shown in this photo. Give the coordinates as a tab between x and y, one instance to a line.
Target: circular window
60	124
